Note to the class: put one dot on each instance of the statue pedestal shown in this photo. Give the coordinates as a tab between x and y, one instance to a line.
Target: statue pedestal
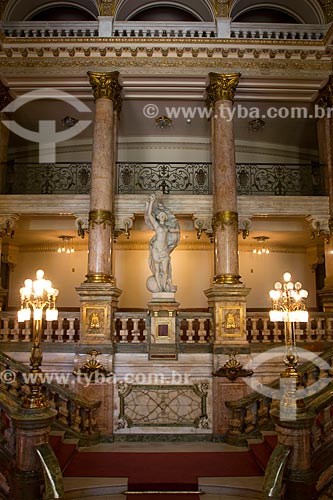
163	311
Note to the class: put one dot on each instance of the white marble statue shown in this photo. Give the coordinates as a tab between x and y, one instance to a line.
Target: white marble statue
164	223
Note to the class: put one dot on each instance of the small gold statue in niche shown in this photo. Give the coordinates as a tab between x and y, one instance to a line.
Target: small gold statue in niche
94	322
230	321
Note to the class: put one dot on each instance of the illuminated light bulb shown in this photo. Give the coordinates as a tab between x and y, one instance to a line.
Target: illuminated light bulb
275	315
287	277
278	285
40	274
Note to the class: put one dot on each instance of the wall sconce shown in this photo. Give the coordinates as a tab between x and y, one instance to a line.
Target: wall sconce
163	121
256	125
69	122
261	245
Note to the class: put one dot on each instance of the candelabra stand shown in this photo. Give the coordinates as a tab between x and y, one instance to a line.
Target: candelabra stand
36	296
288	305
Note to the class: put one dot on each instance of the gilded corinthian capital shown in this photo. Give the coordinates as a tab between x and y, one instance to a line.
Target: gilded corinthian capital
221	87
106	85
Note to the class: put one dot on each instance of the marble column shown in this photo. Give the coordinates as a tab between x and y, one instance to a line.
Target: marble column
99	295
325	146
7	225
5	99
227	297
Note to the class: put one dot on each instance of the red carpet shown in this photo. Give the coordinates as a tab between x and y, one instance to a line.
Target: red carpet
161	471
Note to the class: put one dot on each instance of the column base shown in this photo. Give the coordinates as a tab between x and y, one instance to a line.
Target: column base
98	301
100	278
226	279
228	304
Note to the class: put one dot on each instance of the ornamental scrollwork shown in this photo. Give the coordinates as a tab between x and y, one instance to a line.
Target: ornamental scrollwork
106	85
325	98
221	87
223	219
99	217
232	369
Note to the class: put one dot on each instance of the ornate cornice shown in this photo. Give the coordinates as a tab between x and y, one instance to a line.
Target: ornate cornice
221	87
106	85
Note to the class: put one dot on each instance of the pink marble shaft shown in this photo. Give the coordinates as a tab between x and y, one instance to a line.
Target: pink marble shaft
101	196
225	188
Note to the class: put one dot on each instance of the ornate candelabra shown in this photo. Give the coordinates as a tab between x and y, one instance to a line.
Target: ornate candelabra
36	296
288	305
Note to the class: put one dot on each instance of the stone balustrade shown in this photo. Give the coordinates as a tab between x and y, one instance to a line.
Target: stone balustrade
161	29
261	330
251	413
278	32
50	29
65	329
131	327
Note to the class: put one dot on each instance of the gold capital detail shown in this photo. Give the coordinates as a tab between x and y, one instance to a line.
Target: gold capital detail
325	98
98	217
223	219
222	87
106	85
226	279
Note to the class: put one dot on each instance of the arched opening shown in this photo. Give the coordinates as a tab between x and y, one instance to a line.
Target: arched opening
277	11
63	13
42	10
167	10
165	13
265	16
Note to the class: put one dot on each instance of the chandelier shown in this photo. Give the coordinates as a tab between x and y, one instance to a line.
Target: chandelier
261	247
288	301
66	244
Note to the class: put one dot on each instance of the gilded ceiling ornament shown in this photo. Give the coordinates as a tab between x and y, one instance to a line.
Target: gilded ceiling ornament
221	87
106	85
107	7
222	7
327	6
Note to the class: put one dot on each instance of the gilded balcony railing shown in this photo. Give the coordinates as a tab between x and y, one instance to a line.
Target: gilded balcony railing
193	178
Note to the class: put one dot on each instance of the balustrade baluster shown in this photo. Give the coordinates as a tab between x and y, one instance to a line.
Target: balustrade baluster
190	332
135	331
48	332
123	331
71	330
63	412
202	332
27	331
249	419
236	424
59	331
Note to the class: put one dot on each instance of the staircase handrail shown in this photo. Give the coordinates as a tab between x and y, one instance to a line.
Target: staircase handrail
53	481
241	407
273	481
54	391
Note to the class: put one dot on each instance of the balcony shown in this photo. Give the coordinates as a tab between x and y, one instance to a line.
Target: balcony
254	179
129	29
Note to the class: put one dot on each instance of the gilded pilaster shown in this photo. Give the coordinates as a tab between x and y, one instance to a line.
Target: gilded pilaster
327	6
